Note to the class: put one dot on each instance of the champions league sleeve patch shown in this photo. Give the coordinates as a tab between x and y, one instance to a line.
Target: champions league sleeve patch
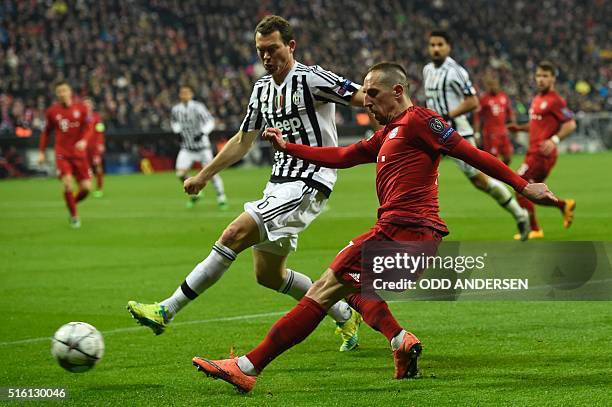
346	86
437	127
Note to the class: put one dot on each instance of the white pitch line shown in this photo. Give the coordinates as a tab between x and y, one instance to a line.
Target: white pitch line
137	328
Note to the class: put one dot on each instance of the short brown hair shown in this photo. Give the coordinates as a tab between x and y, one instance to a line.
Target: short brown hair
548	66
393	74
270	24
61	82
188	86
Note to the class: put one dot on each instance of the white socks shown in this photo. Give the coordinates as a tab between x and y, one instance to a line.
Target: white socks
204	275
246	366
218	184
396	342
297	284
504	197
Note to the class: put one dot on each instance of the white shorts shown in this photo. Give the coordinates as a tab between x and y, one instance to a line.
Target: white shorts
467	169
284	211
186	158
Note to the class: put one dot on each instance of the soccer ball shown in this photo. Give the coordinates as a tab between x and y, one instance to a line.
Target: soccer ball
77	346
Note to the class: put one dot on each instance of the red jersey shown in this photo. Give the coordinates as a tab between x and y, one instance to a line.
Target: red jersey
71	124
407	152
96	128
495	110
547	113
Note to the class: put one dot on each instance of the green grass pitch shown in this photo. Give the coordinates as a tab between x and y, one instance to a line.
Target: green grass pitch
139	242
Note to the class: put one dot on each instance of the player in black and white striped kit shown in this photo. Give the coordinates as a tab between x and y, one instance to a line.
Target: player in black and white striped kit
193	121
449	92
300	100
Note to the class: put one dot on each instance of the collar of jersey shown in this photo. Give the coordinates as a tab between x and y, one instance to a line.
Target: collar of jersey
399	120
288	77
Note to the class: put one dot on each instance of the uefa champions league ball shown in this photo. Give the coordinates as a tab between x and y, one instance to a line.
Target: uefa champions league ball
77	346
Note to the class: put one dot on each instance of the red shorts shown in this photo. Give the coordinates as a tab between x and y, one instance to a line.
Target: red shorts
537	167
347	265
497	145
78	167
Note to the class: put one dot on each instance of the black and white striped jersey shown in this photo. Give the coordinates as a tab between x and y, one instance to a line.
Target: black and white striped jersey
445	88
194	123
304	108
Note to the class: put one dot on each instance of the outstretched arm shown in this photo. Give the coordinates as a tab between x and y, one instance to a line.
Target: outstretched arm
330	157
491	166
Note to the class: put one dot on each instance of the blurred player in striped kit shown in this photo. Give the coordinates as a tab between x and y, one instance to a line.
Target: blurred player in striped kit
450	93
193	121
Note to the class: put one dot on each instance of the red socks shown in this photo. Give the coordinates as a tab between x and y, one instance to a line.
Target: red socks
70	203
288	331
81	195
376	314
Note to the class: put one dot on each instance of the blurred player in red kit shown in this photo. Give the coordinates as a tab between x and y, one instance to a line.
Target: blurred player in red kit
71	123
407	152
550	121
495	110
95	148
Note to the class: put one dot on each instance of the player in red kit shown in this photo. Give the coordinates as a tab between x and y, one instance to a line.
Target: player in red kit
550	121
95	148
495	110
407	152
70	120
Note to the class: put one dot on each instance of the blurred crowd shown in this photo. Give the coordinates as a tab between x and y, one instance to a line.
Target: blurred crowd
130	55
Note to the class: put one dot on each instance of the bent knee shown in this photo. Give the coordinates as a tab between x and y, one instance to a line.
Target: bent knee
270	280
480	181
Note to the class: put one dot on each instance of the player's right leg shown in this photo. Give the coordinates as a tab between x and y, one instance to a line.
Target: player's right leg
241	234
271	272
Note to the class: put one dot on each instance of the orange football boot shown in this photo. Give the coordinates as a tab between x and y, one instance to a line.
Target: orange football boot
568	212
406	356
227	370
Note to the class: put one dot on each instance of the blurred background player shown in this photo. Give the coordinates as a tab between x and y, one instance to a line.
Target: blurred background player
449	92
192	120
550	121
70	121
490	119
95	147
301	100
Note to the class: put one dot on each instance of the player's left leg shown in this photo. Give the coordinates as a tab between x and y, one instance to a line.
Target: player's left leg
184	162
217	182
82	173
98	168
271	272
505	148
502	195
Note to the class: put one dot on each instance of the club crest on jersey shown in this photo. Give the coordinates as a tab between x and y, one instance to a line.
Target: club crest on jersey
393	133
296	98
76	114
436	125
543	105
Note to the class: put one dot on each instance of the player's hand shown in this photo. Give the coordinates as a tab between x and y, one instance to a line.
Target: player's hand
42	159
513	127
193	185
547	147
81	145
539	193
275	137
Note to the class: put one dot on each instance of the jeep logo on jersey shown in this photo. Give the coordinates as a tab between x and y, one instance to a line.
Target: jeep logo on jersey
292	125
436	125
